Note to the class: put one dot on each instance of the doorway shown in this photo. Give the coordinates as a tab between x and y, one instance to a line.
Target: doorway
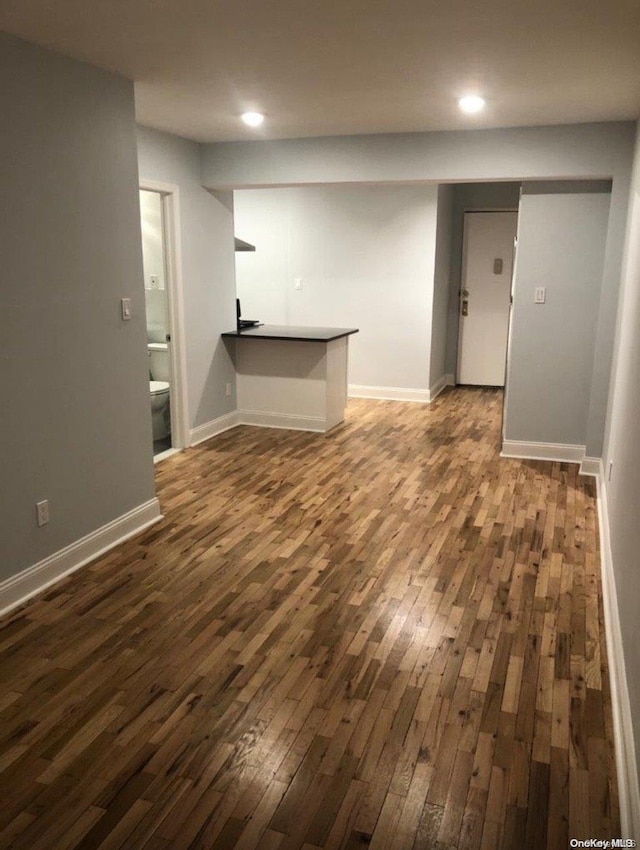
485	297
163	302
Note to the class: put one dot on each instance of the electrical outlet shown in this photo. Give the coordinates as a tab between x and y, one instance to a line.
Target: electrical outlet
227	389
42	512
540	295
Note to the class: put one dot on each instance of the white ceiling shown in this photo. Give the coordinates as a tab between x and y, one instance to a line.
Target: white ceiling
319	68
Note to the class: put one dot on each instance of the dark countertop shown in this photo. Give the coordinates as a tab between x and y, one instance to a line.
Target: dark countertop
297	333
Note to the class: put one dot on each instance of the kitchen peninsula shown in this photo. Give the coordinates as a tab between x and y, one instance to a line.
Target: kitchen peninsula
291	377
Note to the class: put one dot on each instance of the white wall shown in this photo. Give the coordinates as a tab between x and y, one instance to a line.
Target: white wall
366	259
207	269
153	264
263	278
75	418
623	450
561	246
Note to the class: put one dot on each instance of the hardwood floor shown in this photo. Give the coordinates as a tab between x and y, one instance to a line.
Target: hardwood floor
386	636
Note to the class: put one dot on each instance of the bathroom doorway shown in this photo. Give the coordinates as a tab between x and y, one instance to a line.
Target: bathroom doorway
163	302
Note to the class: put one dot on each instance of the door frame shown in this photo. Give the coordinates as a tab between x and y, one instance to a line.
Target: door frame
171	231
514	267
463	265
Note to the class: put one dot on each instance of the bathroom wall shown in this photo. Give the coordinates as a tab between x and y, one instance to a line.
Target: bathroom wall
155	292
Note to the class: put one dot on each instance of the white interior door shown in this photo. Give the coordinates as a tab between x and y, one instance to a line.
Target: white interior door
485	297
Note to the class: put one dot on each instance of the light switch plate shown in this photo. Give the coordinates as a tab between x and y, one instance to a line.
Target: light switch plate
540	295
125	307
297	283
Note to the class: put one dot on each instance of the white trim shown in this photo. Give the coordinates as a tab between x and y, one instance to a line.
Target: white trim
216	426
258	419
157	186
590	466
389	393
282	420
623	739
170	199
402	393
18	588
440	385
165	454
565	452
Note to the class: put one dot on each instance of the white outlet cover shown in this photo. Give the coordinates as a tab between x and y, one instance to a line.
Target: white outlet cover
42	512
540	295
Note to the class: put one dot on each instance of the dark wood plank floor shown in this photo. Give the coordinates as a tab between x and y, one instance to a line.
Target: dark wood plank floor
386	636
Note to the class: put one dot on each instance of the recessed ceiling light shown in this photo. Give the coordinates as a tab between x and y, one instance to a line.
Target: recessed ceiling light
253	119
471	103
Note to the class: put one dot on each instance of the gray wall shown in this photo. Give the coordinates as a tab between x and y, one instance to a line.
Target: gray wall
623	449
561	246
466	198
441	284
75	418
578	151
365	255
606	325
207	269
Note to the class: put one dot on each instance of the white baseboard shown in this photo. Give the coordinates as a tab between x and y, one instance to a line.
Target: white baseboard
388	393
210	429
165	455
17	589
311	423
259	419
590	466
626	764
440	385
282	420
401	393
542	451
317	424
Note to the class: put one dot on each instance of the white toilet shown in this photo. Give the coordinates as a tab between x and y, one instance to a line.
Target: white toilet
159	389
